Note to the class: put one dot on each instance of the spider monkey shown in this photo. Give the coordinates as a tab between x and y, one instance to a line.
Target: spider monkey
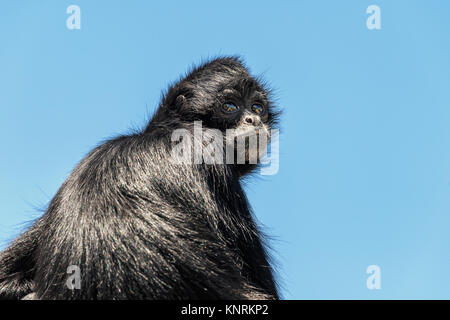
142	227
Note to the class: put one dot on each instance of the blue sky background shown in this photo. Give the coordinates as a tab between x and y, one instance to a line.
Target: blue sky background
365	146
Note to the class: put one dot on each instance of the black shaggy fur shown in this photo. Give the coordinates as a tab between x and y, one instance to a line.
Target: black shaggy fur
142	227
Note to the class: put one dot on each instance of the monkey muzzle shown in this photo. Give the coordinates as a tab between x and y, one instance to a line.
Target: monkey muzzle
249	138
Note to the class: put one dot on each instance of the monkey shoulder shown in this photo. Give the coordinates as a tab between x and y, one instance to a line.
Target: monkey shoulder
132	168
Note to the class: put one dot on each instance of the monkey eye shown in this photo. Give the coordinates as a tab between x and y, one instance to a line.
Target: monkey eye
257	108
230	108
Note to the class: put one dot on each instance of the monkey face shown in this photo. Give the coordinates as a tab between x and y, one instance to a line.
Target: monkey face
242	110
241	102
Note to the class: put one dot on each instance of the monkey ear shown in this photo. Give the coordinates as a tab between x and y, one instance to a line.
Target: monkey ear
180	100
177	98
177	103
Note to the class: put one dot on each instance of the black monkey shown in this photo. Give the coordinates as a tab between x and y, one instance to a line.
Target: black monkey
140	226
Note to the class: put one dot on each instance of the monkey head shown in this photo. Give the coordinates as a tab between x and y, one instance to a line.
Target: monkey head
224	96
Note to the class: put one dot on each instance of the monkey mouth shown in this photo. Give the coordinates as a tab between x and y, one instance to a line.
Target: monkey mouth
245	130
249	143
